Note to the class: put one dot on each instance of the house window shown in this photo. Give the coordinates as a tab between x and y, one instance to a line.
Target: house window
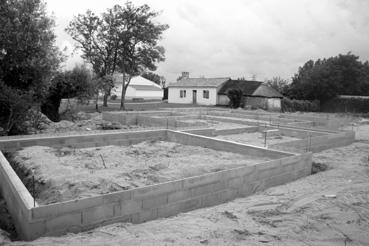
182	93
205	94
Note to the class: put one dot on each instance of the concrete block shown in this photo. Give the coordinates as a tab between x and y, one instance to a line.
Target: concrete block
207	188
202	180
235	182
144	215
179	195
155	190
179	207
130	207
95	214
117	196
56	209
61	223
155	201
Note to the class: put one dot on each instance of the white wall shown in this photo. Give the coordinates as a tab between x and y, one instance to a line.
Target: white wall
149	94
174	95
274	104
223	100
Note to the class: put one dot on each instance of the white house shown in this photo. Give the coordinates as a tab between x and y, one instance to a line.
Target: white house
213	91
138	88
201	91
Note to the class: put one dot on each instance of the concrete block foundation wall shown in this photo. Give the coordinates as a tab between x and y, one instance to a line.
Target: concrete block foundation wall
84	141
167	199
146	203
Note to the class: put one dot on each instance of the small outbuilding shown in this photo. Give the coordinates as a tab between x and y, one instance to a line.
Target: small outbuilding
256	94
138	88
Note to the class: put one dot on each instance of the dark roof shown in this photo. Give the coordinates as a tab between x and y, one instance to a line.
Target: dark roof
199	82
250	88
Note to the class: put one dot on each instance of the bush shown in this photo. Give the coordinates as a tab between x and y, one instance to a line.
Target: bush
113	97
235	98
14	110
352	105
291	105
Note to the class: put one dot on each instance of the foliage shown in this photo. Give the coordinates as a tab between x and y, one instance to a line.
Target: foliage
327	78
279	84
125	39
291	105
235	98
160	80
113	97
76	83
15	105
28	59
353	105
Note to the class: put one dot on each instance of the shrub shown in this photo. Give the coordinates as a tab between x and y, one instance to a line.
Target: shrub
113	97
352	105
14	110
235	98
292	105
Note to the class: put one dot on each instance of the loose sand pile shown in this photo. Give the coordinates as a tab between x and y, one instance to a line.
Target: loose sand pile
256	138
65	174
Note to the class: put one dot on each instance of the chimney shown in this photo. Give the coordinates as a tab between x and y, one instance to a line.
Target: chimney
185	75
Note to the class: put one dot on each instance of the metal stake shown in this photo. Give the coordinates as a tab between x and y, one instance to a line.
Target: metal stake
265	139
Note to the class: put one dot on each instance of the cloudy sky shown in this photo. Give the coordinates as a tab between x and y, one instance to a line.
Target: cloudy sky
240	38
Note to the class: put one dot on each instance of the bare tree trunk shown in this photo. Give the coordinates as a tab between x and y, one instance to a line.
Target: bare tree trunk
106	95
123	95
97	102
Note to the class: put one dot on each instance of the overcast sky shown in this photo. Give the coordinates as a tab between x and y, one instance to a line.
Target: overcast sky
240	38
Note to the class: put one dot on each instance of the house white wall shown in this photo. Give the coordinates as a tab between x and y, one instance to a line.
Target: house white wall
149	94
223	100
174	95
130	93
274	104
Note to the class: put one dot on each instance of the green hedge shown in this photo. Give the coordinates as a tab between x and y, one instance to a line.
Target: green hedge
292	105
352	105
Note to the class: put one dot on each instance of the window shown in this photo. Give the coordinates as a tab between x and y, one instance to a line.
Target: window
205	94
182	93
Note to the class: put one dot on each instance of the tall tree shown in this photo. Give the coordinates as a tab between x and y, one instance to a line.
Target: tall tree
124	39
326	78
278	84
28	56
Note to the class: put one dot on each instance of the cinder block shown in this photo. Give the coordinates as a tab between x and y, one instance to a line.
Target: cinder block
235	182
57	209
179	207
179	195
130	207
155	190
117	196
63	222
202	180
95	214
279	179
155	202
208	188
144	215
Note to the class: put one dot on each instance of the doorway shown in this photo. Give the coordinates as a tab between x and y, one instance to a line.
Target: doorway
194	96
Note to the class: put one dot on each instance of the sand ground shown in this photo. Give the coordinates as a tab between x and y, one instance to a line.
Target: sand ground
328	208
66	174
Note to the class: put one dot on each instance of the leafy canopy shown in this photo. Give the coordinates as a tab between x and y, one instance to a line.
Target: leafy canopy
324	79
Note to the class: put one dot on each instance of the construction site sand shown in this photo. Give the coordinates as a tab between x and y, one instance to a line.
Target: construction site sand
215	124
256	138
66	174
328	208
